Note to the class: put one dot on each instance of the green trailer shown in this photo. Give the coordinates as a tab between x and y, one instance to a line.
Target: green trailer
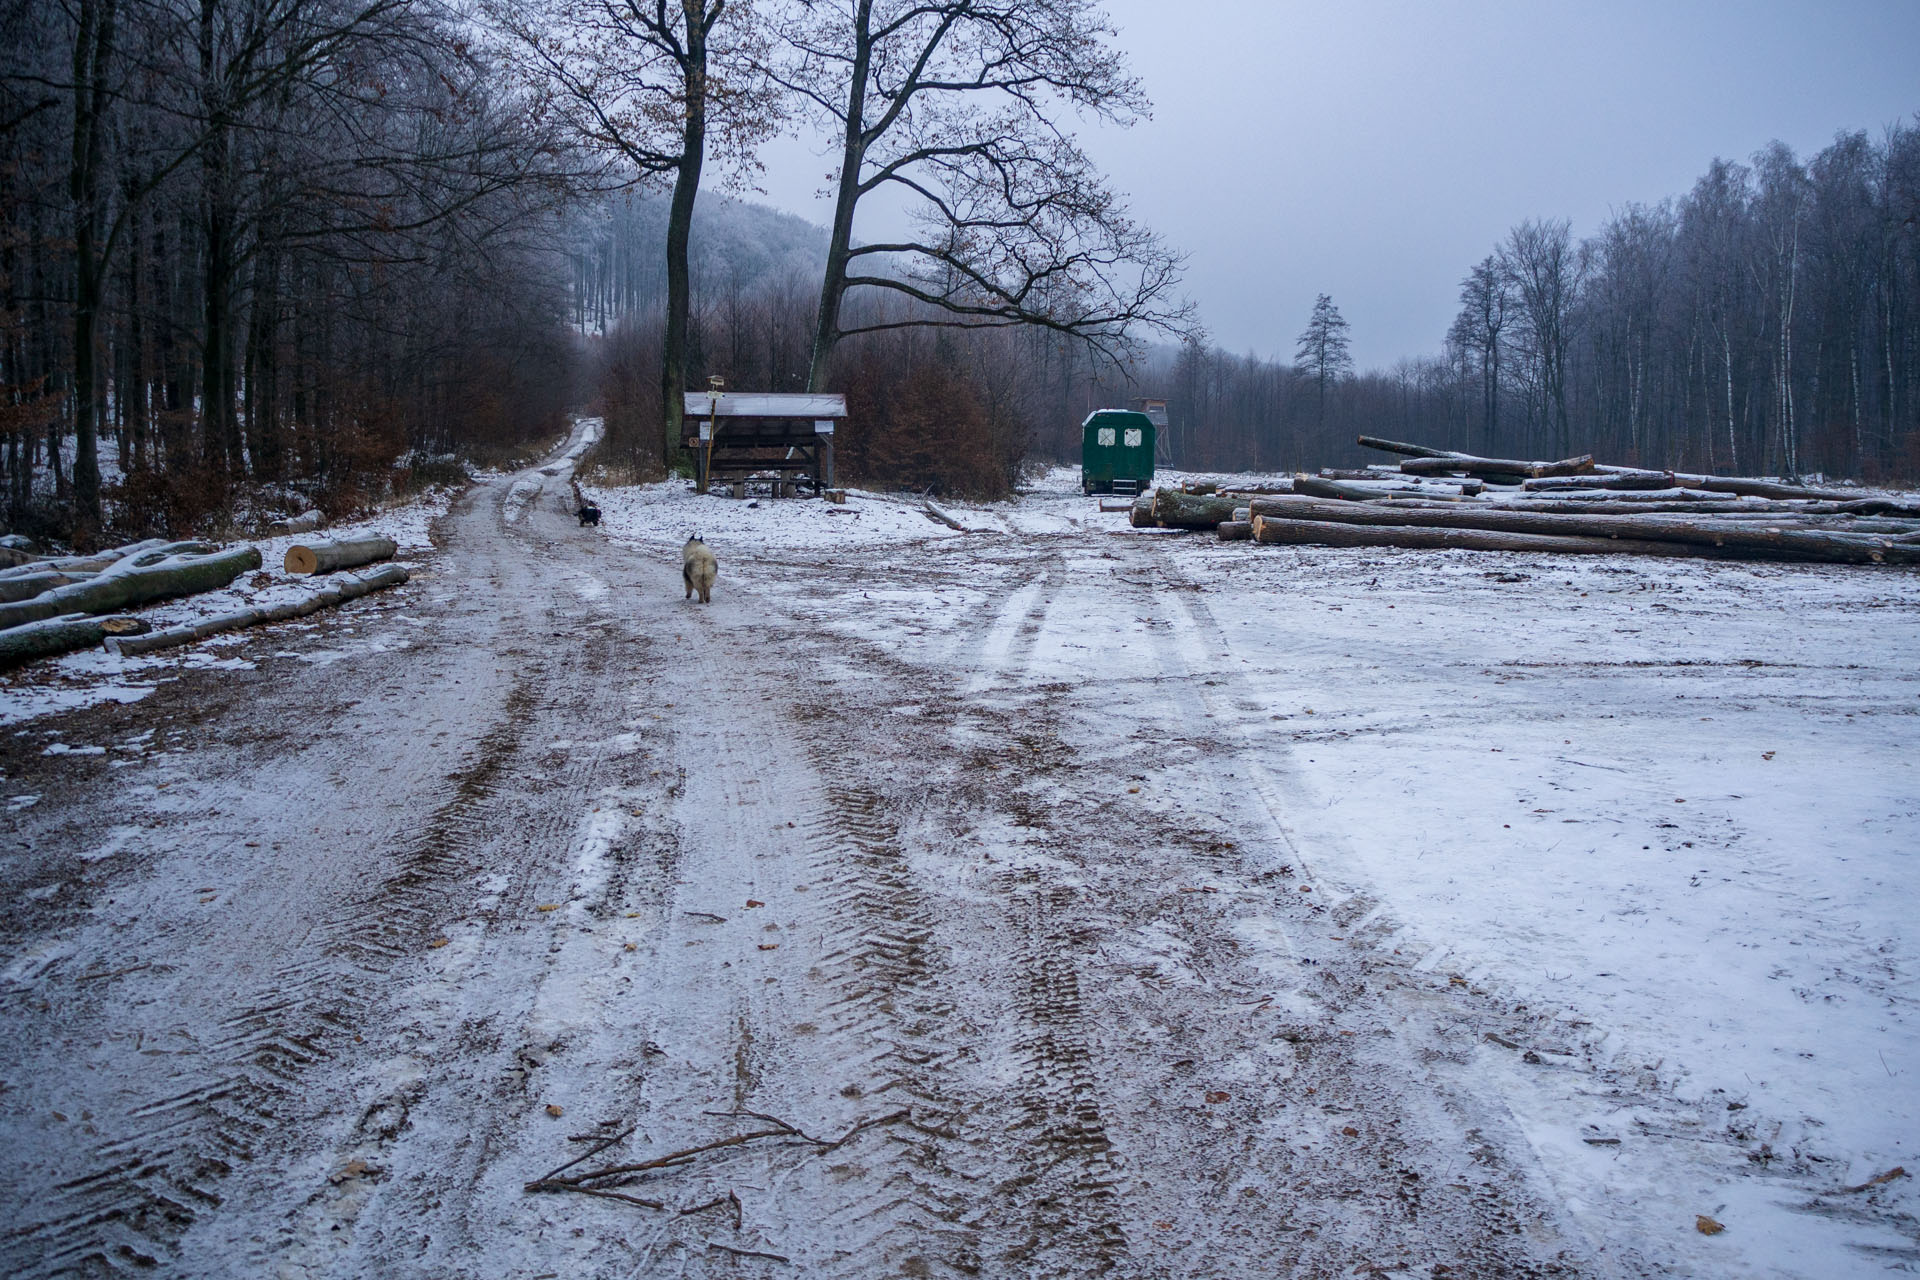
1116	451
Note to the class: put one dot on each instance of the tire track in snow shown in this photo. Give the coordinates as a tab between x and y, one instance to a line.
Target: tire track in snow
149	1186
889	977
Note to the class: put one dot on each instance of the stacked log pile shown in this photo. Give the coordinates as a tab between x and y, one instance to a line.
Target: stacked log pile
1575	506
51	605
1436	498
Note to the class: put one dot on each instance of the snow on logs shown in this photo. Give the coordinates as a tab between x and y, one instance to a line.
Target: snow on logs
344	553
1575	506
1172	509
172	569
305	522
49	636
1632	532
345	587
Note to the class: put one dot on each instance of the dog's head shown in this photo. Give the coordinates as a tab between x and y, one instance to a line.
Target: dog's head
695	537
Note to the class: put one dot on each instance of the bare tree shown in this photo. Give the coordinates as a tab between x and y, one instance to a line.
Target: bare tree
952	105
1780	200
654	84
1544	265
1484	299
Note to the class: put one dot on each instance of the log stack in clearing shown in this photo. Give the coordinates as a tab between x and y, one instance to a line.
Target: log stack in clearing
1440	499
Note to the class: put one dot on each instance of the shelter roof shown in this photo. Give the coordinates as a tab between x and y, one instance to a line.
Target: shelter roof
767	404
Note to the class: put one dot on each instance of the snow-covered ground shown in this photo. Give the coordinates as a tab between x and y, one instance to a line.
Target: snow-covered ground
1666	814
1212	908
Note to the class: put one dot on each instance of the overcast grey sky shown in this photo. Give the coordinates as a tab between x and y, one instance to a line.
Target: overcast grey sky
1375	149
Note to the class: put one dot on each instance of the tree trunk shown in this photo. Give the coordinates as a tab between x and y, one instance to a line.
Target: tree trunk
1606	480
1410	450
1626	531
853	155
342	591
140	581
92	52
51	636
348	553
1272	529
1175	510
1497	466
686	187
1358	492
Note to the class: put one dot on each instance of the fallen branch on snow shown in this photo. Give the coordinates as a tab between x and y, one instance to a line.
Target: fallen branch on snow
933	512
620	1174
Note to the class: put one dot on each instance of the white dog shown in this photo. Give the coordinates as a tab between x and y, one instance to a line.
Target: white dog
698	569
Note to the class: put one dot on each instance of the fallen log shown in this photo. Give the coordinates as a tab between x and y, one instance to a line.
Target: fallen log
1445	484
1354	491
1750	539
305	522
51	636
102	559
1410	450
346	553
1235	530
1140	514
1604	480
1595	508
1760	488
1272	529
1496	467
932	511
25	586
1175	510
1632	496
346	587
134	581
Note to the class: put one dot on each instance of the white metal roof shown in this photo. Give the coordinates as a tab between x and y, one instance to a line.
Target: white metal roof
766	404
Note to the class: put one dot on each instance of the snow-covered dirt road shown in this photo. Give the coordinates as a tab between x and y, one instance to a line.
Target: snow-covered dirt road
1092	870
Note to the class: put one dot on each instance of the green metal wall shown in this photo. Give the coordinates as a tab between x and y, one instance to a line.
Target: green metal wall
1102	464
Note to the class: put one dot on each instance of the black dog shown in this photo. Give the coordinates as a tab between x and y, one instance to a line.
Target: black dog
589	514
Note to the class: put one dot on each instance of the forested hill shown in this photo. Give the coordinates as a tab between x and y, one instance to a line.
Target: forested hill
738	246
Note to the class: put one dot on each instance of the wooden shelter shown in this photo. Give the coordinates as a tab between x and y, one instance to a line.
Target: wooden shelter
787	436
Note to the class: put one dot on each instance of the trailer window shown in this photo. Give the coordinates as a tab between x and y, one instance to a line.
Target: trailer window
1104	435
1133	437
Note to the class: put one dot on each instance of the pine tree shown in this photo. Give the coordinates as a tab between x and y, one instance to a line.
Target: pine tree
1322	354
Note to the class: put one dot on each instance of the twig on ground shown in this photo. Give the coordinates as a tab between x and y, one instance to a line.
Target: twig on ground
732	1197
746	1253
674	1159
1898	1171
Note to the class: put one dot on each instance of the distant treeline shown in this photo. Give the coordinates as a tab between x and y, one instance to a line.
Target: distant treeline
1768	321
